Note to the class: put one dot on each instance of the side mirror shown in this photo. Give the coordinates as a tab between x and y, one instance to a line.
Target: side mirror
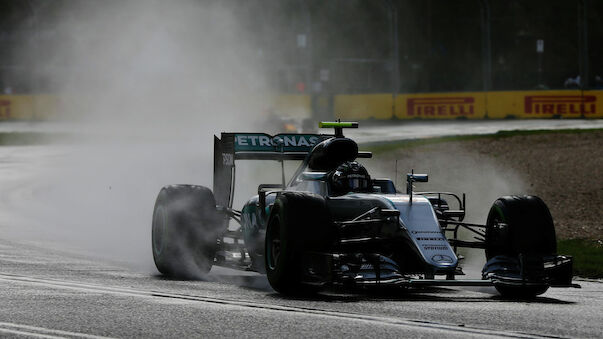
412	177
417	177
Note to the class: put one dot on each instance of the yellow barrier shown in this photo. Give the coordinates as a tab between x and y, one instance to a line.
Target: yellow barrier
594	105
469	105
461	105
294	105
473	105
545	104
16	107
28	107
363	106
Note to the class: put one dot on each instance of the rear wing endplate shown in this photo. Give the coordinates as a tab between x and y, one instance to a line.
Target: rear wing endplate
254	146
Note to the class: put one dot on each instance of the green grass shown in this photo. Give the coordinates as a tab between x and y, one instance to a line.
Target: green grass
29	138
588	256
388	146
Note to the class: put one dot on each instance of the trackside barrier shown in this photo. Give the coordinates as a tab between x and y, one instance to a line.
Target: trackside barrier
598	103
47	107
441	106
295	105
363	106
472	105
544	104
461	105
28	107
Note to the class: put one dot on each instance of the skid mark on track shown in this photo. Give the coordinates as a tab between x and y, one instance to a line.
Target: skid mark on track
150	294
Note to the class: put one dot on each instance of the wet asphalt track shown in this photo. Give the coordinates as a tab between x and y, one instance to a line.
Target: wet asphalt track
376	132
47	294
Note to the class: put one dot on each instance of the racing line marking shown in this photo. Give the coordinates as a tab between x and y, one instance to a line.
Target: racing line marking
408	323
41	332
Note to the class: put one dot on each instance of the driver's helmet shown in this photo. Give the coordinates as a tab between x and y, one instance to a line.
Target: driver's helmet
350	177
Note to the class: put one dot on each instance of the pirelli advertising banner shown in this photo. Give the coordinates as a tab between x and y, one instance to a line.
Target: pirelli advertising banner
545	104
441	106
473	105
28	107
459	105
596	103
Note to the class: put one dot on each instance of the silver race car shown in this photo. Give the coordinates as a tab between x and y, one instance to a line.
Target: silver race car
332	225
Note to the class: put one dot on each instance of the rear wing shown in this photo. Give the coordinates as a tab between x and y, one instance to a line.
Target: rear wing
254	146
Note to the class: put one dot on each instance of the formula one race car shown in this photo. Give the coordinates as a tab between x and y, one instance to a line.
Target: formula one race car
332	225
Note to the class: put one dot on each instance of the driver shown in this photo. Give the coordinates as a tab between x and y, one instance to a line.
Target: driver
350	177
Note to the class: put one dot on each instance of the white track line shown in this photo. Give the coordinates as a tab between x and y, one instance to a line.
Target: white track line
41	332
28	334
407	323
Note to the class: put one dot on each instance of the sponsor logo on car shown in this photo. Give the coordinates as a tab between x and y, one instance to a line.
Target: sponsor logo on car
560	104
435	247
441	106
430	239
266	143
442	258
427	232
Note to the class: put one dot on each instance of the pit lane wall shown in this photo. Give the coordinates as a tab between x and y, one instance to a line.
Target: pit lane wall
461	105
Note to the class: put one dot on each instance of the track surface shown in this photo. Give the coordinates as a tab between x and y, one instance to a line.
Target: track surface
377	133
47	293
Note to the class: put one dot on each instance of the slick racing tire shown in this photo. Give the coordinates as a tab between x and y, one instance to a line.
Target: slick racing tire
185	230
520	225
298	222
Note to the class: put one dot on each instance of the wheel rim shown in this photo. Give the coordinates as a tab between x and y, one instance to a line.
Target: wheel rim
159	227
274	244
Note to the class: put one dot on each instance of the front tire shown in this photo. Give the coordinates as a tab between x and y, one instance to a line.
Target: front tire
520	226
298	222
185	230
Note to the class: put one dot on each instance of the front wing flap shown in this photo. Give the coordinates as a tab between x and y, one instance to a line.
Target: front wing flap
554	271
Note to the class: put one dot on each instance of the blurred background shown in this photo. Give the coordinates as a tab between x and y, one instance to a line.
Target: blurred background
312	53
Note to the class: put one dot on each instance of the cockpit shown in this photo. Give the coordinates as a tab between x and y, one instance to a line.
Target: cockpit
332	170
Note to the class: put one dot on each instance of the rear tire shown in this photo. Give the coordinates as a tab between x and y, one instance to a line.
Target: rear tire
520	225
298	222
185	230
